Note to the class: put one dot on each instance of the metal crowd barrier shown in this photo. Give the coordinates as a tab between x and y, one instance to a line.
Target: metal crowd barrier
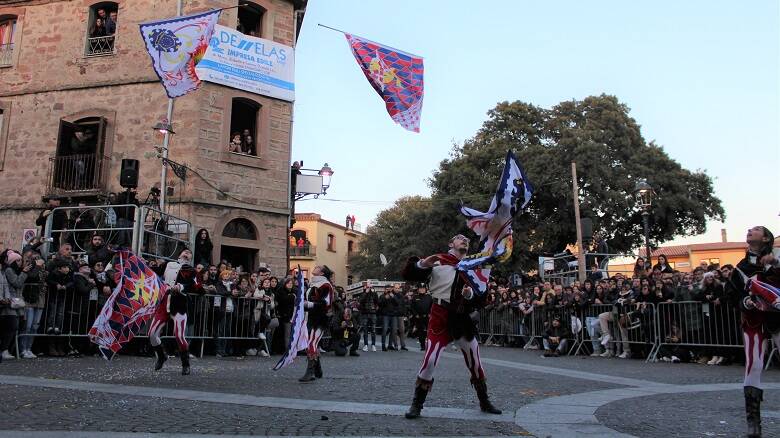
564	268
229	321
645	327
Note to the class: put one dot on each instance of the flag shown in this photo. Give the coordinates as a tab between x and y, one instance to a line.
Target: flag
768	295
397	76
134	300
299	336
175	46
494	227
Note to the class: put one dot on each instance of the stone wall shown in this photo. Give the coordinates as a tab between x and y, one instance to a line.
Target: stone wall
52	80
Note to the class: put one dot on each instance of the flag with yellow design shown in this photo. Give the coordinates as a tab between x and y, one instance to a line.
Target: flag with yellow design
397	76
138	292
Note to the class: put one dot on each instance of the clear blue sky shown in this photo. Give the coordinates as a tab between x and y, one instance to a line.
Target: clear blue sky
701	78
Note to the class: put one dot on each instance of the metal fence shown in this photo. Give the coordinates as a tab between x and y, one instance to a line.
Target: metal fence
563	269
233	323
642	329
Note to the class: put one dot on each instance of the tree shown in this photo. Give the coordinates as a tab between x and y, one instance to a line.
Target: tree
611	155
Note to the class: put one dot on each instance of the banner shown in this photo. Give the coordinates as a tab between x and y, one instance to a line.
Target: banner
134	300
494	227
299	336
395	75
175	46
248	63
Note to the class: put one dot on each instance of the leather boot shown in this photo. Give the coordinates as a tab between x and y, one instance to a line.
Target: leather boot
159	353
753	398
421	389
185	363
317	368
484	402
309	376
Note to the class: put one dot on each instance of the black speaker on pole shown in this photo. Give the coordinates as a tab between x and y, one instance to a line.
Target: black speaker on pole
587	230
128	176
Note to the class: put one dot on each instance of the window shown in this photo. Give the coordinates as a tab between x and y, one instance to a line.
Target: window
250	19
350	247
712	261
5	112
240	229
78	164
7	30
331	242
101	29
243	126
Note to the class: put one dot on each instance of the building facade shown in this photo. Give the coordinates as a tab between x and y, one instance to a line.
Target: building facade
315	241
77	98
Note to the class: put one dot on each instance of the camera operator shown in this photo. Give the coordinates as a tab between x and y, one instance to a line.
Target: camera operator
345	334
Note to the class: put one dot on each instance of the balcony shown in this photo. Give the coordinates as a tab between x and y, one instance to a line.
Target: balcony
303	252
6	54
77	174
100	46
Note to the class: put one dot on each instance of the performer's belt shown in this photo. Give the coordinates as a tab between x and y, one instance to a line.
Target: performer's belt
441	302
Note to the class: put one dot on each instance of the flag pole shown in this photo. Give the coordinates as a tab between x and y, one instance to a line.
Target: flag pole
331	28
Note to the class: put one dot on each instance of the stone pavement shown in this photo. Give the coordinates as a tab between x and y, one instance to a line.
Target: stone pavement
367	396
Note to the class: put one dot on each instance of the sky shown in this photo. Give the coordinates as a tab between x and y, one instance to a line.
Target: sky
700	77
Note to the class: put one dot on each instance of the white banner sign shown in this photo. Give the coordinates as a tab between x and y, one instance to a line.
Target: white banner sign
248	63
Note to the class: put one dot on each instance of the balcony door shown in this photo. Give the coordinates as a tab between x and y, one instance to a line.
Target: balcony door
77	164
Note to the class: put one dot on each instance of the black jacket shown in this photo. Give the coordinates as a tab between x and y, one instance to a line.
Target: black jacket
388	305
421	304
285	304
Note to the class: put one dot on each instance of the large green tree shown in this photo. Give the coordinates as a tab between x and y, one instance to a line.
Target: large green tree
606	143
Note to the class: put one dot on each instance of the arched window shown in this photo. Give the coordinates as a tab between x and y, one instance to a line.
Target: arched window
240	229
298	235
7	31
250	18
243	123
101	29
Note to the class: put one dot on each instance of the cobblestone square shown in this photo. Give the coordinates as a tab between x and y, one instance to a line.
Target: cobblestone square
367	395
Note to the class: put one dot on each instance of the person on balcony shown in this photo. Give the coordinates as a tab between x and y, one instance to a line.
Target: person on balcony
98	28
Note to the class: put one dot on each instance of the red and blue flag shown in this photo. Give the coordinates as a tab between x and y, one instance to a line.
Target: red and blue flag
138	292
395	75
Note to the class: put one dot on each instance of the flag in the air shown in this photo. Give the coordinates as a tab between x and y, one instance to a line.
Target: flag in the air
138	292
494	227
299	336
397	76
175	46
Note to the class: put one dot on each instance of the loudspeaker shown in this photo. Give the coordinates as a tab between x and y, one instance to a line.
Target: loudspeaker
587	229
128	176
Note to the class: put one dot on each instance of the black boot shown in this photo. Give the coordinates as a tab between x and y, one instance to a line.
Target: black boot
753	398
484	402
317	368
421	389
185	363
159	353
309	376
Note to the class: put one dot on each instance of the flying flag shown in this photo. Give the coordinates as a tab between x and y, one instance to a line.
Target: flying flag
299	336
134	300
494	227
768	294
397	76
176	45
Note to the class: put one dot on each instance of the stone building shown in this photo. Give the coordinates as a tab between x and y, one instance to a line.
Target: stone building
71	101
321	242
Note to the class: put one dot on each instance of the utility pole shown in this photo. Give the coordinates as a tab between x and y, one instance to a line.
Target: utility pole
575	191
167	140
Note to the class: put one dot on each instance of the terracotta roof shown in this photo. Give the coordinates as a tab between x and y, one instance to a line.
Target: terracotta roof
669	251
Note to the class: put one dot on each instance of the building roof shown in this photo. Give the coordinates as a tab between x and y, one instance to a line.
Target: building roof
314	217
684	250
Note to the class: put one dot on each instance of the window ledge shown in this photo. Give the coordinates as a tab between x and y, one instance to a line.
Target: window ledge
243	160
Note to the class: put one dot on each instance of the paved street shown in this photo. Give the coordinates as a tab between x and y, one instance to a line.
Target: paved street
367	396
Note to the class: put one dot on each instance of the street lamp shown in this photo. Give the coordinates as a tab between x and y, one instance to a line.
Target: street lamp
644	194
326	173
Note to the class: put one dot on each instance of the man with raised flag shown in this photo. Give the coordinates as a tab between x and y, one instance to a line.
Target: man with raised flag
456	284
396	76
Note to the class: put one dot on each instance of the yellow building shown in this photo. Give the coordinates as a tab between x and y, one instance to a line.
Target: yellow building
321	242
685	258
